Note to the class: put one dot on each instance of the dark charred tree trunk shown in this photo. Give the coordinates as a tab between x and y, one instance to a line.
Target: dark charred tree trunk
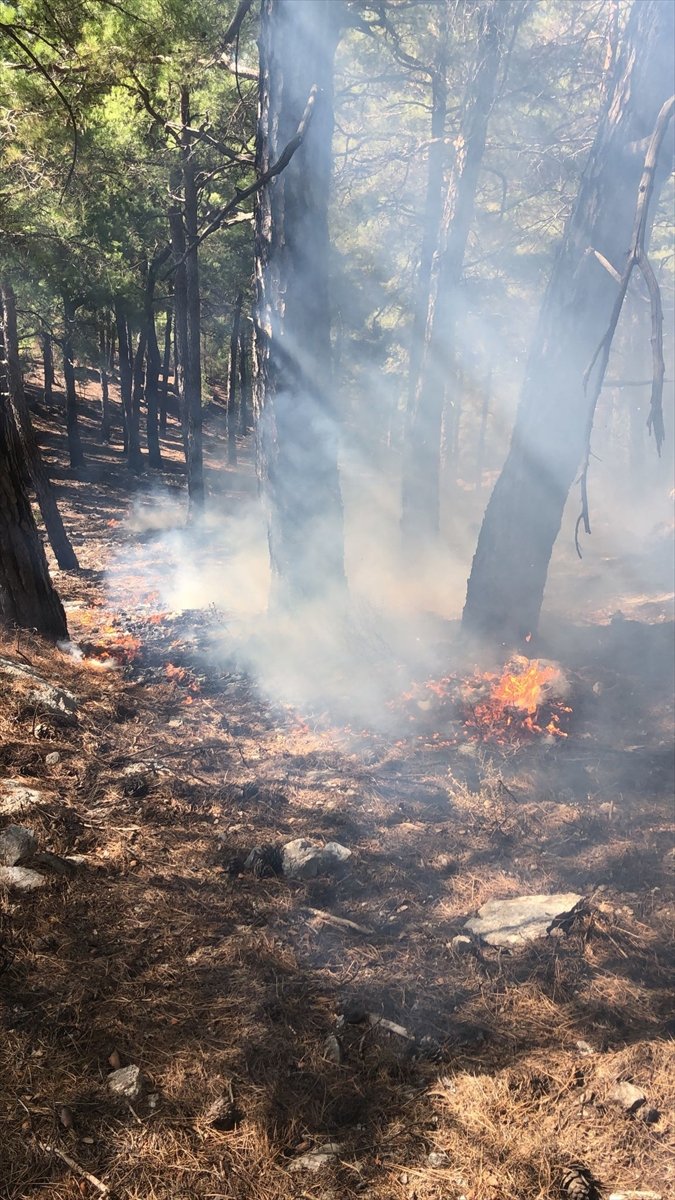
47	367
18	409
166	361
75	450
421	457
296	419
232	380
131	412
27	595
523	517
153	362
104	361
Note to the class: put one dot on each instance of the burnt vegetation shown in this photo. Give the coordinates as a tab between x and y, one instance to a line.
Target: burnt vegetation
323	872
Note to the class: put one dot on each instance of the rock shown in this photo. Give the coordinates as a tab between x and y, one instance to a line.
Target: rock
584	1047
438	1158
650	1116
127	1082
16	797
302	859
628	1096
17	843
21	878
52	758
461	944
43	697
332	1049
316	1159
520	919
54	862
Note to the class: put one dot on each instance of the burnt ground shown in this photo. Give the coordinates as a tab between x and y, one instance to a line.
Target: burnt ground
160	949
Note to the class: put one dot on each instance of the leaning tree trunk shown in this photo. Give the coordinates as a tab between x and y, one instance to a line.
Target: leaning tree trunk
297	426
232	379
433	386
27	595
131	410
18	408
75	450
523	517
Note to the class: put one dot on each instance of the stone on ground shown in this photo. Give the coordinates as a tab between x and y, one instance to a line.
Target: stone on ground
127	1082
17	843
20	879
520	919
302	859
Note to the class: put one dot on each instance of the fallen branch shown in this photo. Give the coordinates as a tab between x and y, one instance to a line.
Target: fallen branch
342	922
637	257
75	1166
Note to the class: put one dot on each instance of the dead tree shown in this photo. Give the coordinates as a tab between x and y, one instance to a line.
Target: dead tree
523	517
18	410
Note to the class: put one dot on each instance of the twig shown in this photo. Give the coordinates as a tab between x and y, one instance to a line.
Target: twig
637	257
75	1166
343	922
377	1022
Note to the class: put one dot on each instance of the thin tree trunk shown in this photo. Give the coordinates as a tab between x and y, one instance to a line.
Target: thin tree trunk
421	458
75	450
47	367
131	414
153	363
106	410
232	379
482	433
166	361
297	424
192	362
522	521
18	408
177	228
244	382
27	595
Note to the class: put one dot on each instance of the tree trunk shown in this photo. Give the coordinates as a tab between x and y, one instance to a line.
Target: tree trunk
153	362
180	335
421	457
232	379
18	409
72	428
166	360
297	426
106	410
131	411
48	367
523	517
27	595
192	379
244	381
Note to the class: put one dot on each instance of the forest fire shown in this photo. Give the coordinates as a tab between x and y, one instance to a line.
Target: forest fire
525	700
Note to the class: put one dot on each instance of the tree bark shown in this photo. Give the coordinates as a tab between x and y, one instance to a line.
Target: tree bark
131	411
193	363
27	595
47	367
180	308
18	409
297	427
434	386
106	410
244	381
75	450
232	379
166	360
523	517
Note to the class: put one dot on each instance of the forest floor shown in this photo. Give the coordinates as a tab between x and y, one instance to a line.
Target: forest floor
158	948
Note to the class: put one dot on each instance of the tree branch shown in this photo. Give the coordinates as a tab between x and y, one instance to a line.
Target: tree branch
637	257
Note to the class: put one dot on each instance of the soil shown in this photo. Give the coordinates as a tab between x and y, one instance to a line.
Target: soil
157	948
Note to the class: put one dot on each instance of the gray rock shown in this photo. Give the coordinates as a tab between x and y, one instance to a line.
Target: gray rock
52	759
628	1096
127	1082
302	859
438	1158
15	797
20	879
43	697
332	1049
461	944
520	919
315	1160
16	845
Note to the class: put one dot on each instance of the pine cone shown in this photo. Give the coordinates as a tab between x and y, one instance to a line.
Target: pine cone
577	1183
264	860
